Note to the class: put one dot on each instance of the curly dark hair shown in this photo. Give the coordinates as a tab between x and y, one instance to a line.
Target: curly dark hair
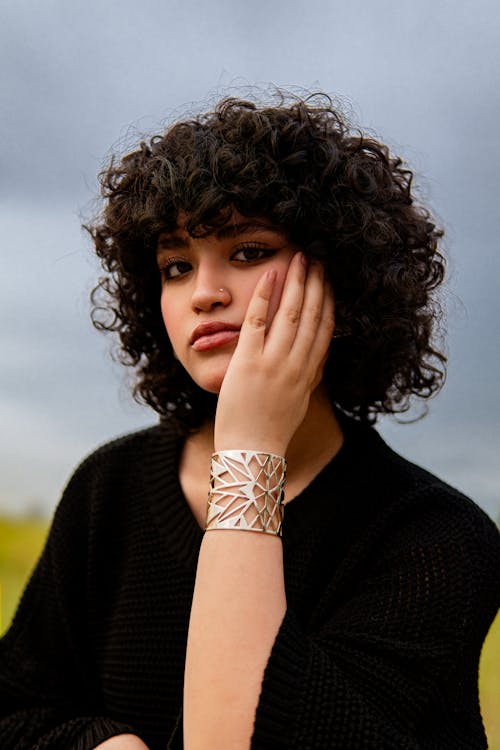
336	192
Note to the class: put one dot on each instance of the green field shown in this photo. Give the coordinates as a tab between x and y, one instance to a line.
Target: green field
21	544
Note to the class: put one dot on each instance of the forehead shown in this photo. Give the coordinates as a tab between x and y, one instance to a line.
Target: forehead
235	226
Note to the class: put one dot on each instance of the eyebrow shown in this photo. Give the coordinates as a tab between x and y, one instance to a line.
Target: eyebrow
176	242
243	227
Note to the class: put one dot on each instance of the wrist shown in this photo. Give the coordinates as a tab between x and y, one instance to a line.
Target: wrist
246	491
255	442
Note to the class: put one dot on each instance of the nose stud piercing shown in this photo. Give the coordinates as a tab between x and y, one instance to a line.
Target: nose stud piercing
222	296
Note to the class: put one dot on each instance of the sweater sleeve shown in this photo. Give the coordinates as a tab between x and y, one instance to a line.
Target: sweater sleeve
390	658
48	698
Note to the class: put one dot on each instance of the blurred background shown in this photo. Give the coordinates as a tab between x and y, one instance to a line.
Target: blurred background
82	78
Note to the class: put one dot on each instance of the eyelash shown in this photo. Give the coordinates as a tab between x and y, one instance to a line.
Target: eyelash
165	266
266	251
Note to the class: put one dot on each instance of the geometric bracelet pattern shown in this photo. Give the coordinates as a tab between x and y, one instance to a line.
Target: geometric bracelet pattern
246	491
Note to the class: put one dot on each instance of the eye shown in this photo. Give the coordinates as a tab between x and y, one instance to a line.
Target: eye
173	268
251	252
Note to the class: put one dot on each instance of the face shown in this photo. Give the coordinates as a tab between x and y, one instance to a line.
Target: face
207	283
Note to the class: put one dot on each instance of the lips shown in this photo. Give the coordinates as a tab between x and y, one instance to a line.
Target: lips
213	334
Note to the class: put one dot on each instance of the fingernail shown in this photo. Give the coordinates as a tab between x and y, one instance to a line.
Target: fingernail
303	259
318	265
271	275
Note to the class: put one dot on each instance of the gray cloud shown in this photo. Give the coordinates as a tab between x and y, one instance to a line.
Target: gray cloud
75	76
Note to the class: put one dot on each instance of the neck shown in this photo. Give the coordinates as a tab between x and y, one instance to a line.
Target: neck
318	439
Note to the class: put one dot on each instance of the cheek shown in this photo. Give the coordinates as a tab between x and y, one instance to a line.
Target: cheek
165	313
169	320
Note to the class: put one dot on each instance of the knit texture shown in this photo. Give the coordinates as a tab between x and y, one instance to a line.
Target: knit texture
392	580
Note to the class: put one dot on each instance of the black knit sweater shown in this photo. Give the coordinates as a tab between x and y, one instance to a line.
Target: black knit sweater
392	579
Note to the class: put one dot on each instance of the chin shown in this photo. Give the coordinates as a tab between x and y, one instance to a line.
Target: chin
212	387
211	376
211	382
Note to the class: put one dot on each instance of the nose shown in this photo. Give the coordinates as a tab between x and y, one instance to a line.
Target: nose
209	291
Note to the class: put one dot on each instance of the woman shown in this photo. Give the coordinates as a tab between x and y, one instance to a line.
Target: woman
272	280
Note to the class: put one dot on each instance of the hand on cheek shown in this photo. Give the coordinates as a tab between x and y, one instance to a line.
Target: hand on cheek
279	283
266	391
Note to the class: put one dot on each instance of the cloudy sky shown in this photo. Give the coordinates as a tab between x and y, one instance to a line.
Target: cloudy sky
79	78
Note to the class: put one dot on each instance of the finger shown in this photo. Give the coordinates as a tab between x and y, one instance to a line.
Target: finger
253	330
322	342
311	318
283	330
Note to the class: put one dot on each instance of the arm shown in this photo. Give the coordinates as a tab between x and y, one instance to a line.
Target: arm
239	598
238	606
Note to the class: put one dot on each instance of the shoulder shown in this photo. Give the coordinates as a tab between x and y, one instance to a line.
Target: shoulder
414	484
127	451
118	470
392	474
411	502
411	528
122	445
437	521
